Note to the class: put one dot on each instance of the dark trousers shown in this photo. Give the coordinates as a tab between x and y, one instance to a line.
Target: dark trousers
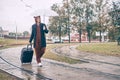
39	53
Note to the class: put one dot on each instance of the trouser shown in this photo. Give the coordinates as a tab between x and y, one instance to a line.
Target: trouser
39	53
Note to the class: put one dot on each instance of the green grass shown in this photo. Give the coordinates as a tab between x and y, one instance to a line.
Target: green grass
98	48
53	56
110	48
6	76
7	43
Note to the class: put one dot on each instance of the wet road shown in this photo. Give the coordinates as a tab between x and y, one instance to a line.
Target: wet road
95	69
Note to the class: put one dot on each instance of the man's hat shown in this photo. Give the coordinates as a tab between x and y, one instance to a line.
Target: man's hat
36	16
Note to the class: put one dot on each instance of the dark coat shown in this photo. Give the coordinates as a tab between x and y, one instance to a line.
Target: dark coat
33	34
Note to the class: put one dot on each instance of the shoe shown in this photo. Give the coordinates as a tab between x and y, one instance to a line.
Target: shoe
39	64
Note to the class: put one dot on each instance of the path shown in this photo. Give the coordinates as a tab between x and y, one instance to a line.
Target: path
53	70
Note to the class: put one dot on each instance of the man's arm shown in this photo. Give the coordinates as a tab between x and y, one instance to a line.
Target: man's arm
46	30
32	35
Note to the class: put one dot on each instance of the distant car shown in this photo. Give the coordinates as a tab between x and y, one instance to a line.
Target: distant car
57	41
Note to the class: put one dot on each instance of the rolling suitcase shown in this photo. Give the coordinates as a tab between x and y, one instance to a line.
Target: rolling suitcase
26	54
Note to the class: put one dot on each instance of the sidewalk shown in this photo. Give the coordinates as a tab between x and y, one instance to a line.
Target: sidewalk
53	70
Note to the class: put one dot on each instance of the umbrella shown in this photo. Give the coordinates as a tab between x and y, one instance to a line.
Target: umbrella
44	12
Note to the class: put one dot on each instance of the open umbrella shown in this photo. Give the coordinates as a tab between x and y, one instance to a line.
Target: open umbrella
44	12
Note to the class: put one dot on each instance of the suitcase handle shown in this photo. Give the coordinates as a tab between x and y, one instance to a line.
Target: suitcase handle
29	45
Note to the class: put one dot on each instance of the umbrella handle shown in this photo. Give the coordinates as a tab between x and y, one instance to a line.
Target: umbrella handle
45	27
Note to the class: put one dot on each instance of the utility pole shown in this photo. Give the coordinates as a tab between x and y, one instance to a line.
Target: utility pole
16	32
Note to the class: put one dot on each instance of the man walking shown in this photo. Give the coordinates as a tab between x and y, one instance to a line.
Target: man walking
38	35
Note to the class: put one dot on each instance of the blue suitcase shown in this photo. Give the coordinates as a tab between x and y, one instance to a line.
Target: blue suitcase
27	54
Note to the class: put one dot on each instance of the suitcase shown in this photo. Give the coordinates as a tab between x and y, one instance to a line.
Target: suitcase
26	54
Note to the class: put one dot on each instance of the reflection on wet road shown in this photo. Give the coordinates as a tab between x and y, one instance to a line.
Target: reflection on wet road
53	70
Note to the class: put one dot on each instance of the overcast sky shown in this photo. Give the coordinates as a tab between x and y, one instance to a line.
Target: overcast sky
19	13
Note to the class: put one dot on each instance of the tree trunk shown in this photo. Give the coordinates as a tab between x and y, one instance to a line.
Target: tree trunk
100	36
60	34
89	36
80	40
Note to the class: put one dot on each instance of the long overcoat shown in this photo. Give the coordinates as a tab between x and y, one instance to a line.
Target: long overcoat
43	30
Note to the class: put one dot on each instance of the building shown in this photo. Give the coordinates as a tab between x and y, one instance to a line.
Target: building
3	32
75	37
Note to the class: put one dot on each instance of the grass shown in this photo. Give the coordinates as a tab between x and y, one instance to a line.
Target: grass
6	76
7	43
98	48
53	56
110	48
